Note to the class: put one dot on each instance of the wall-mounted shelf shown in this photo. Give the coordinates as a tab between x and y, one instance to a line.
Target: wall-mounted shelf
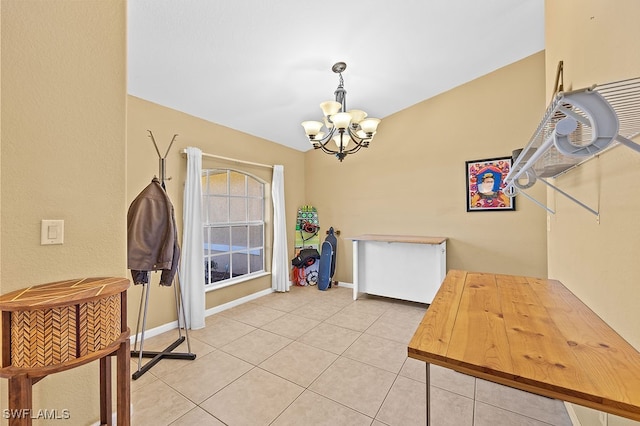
576	126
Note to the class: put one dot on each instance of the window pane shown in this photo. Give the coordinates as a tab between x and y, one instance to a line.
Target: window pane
255	209
240	264
255	260
218	210
255	188
231	197
209	267
217	269
220	240
217	183
239	237
238	209
237	184
256	235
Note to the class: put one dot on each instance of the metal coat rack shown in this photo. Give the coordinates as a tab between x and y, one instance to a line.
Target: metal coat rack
144	304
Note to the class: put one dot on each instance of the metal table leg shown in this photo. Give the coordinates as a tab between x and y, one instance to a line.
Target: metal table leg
428	393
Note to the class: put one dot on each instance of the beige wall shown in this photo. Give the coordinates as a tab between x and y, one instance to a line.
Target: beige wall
598	42
213	139
63	157
411	180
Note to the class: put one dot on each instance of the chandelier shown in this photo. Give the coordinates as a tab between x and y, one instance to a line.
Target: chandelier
348	130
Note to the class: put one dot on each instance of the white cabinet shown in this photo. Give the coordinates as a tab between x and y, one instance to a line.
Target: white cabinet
403	267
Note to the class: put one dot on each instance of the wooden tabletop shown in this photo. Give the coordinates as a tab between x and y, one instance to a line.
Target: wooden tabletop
400	239
62	293
530	334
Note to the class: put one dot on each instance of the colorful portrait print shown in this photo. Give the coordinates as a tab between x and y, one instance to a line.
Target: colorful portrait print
485	184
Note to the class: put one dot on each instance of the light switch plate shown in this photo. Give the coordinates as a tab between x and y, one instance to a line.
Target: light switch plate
52	232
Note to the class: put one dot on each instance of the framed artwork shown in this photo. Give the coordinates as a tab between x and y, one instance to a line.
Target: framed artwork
485	184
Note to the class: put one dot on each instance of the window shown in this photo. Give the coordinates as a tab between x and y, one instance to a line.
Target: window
233	216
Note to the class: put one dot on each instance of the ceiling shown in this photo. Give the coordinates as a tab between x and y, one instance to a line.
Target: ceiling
262	67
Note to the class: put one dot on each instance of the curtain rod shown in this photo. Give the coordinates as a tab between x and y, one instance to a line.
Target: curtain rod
232	159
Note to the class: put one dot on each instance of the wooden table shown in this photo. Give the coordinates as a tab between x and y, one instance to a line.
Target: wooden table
407	267
54	327
531	334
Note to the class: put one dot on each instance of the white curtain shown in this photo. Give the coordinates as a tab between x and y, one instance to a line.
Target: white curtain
280	262
192	261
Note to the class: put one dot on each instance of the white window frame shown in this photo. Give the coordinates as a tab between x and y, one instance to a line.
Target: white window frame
228	224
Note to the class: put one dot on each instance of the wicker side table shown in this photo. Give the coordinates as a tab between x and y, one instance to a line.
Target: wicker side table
54	327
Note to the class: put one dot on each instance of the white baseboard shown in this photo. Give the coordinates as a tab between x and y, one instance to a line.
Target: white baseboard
236	302
174	324
216	309
155	331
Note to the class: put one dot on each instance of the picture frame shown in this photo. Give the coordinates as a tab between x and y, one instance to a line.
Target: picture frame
485	185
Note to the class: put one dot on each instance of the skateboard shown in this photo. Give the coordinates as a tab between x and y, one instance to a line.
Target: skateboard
307	227
331	237
324	273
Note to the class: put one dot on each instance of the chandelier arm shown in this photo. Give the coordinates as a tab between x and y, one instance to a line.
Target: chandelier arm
322	143
354	136
326	138
358	141
353	150
324	149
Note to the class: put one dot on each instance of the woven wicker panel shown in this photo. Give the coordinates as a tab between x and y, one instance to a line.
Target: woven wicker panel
42	338
99	324
83	336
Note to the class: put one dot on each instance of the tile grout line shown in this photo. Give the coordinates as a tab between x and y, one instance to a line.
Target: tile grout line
342	307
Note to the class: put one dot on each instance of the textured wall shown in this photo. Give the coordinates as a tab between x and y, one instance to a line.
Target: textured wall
598	261
63	157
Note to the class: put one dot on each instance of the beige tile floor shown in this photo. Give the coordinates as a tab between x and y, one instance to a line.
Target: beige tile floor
310	357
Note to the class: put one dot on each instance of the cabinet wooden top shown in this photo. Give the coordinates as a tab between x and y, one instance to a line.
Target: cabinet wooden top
400	239
531	334
62	293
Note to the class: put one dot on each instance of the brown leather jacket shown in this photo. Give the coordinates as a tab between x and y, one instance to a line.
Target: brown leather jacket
152	242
